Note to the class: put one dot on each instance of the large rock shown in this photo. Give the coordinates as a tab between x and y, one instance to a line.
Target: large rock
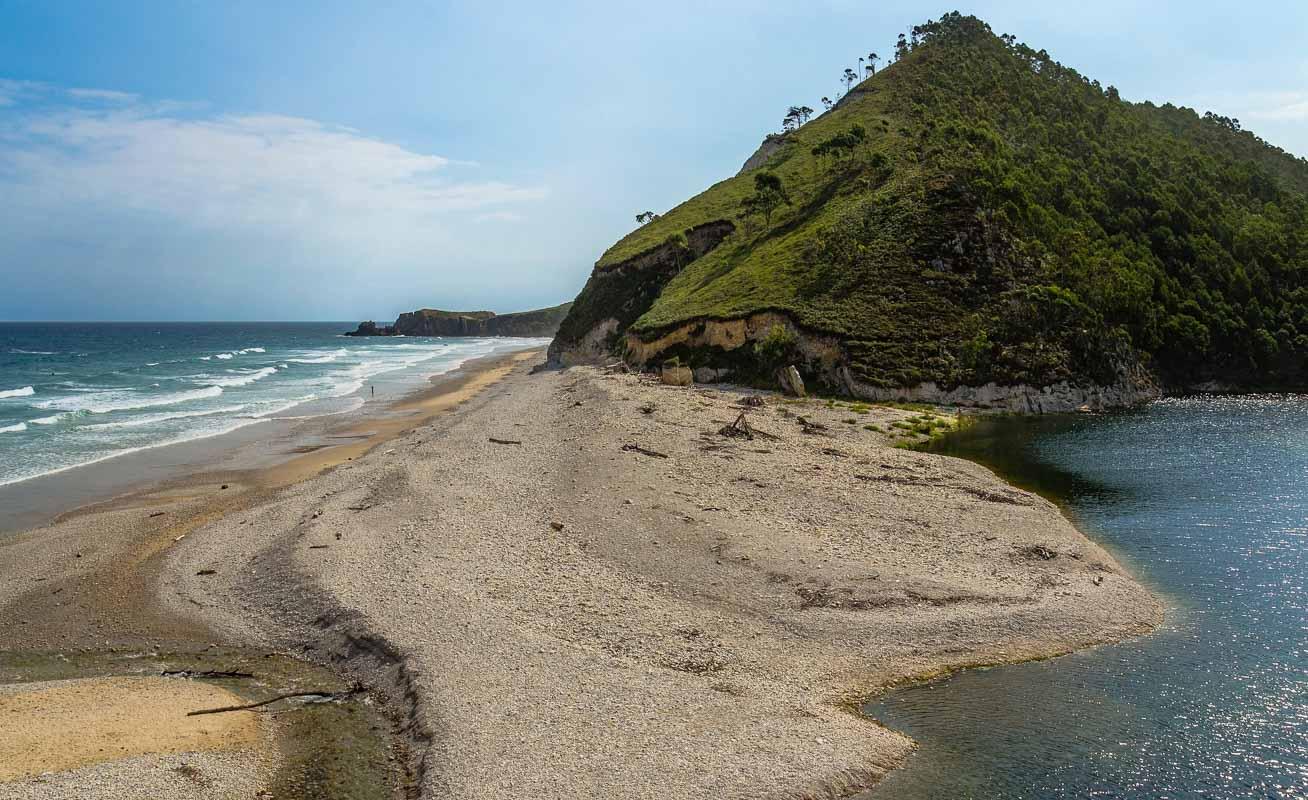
791	382
677	376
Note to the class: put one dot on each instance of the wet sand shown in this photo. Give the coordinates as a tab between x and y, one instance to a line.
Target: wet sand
87	583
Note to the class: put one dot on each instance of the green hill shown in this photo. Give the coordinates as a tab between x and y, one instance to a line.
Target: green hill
976	213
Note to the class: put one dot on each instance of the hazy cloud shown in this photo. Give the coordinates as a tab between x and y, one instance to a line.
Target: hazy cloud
102	95
1281	106
279	173
1275	106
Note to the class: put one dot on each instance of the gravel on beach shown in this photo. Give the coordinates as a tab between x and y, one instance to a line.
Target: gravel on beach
574	586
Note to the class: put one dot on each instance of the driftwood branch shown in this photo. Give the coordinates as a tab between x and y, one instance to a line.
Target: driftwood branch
738	428
635	448
208	673
503	441
325	696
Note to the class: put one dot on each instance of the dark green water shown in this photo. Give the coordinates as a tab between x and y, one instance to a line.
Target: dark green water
1206	501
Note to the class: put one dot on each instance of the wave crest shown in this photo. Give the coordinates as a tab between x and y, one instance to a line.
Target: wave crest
114	401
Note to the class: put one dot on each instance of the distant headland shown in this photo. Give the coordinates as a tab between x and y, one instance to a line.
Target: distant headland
542	322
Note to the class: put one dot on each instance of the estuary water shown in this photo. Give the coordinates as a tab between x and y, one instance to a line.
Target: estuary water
78	393
1206	501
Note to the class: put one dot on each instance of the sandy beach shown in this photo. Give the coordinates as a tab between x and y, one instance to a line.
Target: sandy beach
553	584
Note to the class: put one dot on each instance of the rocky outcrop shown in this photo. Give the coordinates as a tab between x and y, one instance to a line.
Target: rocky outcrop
370	328
727	348
771	144
617	294
432	322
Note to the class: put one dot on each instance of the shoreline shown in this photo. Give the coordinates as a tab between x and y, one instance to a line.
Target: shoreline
42	499
104	606
402	570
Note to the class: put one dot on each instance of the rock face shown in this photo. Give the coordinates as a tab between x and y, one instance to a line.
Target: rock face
432	322
771	144
617	294
823	360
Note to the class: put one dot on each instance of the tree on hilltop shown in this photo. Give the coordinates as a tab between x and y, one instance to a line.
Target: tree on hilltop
795	117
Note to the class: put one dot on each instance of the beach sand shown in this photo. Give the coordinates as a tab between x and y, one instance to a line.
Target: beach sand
564	616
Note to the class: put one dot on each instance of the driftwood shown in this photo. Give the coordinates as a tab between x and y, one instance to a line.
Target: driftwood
811	427
208	673
635	448
503	441
738	428
324	697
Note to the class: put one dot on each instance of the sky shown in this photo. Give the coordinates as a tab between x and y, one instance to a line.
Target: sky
322	159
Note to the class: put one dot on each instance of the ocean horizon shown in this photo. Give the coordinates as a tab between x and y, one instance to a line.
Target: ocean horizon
74	394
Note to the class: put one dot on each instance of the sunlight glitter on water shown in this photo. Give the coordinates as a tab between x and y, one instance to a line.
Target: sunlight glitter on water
1205	499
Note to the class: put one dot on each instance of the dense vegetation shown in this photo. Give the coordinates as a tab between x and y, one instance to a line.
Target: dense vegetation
977	211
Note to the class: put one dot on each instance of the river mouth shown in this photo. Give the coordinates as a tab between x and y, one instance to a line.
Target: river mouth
1204	500
332	743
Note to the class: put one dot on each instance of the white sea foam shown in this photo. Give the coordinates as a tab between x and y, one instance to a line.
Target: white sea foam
26	391
21	351
73	386
106	402
243	378
205	358
332	356
189	437
46	420
19	428
154	419
342	389
356	403
152	363
223	356
250	350
285	407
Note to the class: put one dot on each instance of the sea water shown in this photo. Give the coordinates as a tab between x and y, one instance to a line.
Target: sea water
77	393
1205	500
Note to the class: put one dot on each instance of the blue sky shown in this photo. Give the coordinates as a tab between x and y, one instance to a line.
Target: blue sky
333	160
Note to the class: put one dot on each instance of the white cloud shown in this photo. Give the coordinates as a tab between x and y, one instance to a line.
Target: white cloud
12	91
288	177
1277	106
102	95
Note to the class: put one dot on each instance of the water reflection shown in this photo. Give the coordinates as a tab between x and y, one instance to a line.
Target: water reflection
1206	500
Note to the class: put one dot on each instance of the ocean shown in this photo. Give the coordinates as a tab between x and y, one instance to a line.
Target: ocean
1204	499
78	393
